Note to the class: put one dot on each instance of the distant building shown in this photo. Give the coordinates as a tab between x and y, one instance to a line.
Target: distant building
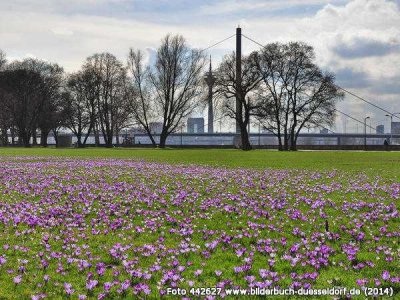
265	130
155	127
132	131
380	129
324	131
195	125
395	128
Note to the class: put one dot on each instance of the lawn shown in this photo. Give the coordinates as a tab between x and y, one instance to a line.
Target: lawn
117	224
385	164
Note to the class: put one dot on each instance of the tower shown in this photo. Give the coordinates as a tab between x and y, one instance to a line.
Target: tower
210	80
239	110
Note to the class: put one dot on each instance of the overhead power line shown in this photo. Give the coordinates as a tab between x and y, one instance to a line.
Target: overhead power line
354	119
220	42
250	39
366	101
339	87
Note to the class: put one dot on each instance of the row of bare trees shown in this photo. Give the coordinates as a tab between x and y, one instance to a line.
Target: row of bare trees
281	87
98	100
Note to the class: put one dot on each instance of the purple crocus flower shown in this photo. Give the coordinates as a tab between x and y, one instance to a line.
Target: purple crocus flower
17	279
68	288
385	275
91	284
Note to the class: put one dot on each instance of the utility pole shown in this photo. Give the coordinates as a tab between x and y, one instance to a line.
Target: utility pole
210	80
181	135
248	125
238	76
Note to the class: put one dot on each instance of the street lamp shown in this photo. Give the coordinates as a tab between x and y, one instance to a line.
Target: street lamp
365	132
391	121
181	135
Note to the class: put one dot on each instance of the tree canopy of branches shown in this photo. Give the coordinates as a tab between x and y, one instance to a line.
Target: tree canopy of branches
243	95
22	90
295	93
30	93
167	91
5	119
3	59
49	113
111	96
81	104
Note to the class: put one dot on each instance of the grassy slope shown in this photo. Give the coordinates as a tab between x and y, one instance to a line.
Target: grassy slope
384	164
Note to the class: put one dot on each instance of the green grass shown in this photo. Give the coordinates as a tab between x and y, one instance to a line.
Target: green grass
384	164
349	185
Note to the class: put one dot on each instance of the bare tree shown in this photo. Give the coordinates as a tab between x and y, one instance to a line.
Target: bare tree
48	106
170	88
111	93
227	88
24	91
140	96
5	119
81	105
296	93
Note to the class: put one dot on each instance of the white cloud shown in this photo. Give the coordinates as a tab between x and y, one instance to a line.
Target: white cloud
66	33
62	31
229	6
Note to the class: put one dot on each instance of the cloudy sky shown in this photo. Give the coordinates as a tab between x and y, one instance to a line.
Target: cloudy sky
358	40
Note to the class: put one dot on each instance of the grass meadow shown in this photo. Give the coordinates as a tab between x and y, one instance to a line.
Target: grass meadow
133	223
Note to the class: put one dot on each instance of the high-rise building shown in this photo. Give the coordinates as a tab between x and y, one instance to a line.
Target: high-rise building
380	129
324	131
155	127
195	125
395	128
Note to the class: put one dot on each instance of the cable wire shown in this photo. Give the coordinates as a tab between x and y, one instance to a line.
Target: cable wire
366	101
213	45
354	119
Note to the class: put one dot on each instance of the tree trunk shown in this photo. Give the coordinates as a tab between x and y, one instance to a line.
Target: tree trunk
153	141
55	136
280	148
43	137
244	136
295	140
293	146
34	137
150	136
108	139
285	141
12	131
4	137
79	140
27	142
90	129
96	135
117	139
163	139
24	138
